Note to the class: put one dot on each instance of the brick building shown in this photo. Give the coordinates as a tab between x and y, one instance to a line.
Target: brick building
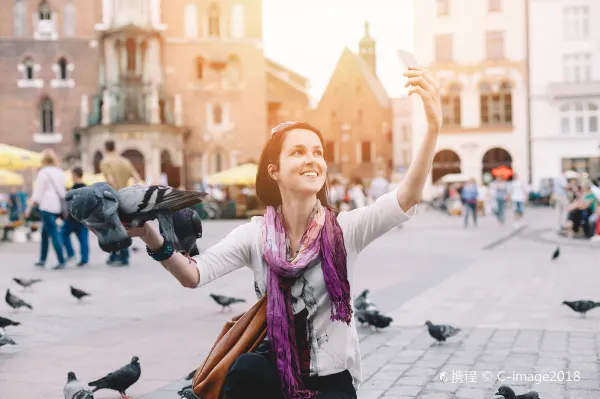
355	115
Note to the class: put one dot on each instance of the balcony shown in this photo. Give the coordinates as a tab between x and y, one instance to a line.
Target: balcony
45	29
567	90
132	103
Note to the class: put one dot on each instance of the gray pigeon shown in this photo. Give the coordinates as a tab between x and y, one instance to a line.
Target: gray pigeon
15	302
442	331
96	207
75	389
4	322
140	203
121	379
507	393
188	228
5	339
582	307
187	392
225	301
26	282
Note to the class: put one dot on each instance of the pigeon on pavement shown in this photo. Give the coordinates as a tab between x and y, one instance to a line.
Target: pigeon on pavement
4	322
582	307
188	228
15	302
26	282
5	339
362	302
375	319
187	392
507	393
96	207
75	389
556	253
121	379
140	203
225	301
77	293
442	331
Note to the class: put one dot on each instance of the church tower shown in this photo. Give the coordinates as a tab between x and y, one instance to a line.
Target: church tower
131	106
367	49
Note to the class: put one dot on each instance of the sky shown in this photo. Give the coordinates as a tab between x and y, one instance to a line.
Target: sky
308	36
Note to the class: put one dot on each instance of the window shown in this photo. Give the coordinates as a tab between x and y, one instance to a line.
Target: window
199	68
329	151
495	105
213	20
237	21
234	71
29	68
443	8
190	20
494	45
44	12
62	68
443	48
47	116
130	46
494	5
69	20
451	109
217	115
19	10
577	67
365	150
576	23
579	118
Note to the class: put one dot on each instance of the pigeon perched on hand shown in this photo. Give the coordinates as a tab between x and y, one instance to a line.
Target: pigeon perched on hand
442	331
507	393
96	207
140	203
15	302
225	301
582	307
77	293
75	389
26	282
4	322
556	253
188	228
121	379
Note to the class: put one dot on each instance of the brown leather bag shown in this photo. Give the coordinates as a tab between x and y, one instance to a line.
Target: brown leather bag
242	334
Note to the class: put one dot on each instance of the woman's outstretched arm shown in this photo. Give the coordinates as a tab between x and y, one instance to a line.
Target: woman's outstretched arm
421	82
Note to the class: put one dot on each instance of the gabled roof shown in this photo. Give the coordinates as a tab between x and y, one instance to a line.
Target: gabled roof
372	80
273	65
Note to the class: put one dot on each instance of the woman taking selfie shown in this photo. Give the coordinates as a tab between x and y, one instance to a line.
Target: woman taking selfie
303	255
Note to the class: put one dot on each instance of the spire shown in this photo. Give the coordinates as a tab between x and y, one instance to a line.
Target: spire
367	47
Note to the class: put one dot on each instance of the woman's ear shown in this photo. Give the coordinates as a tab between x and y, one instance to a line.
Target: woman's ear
272	171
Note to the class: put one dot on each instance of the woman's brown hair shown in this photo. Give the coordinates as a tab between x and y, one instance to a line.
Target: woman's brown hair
267	189
49	157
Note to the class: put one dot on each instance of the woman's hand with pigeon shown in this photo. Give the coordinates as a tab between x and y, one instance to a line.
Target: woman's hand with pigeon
147	233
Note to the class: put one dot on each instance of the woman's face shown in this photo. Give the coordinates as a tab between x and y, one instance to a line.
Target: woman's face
302	167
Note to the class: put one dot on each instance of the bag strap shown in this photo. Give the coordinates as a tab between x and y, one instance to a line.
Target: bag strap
54	187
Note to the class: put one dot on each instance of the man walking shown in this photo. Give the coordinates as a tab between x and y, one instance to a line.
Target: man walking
469	195
117	170
73	226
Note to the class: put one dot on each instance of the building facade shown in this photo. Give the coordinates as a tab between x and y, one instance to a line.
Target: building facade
565	87
477	50
355	115
48	60
402	133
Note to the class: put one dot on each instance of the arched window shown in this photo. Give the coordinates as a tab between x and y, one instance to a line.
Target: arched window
19	19
47	116
451	106
217	114
214	20
191	20
130	45
234	70
579	118
62	68
44	11
217	162
69	19
237	21
495	105
29	68
199	68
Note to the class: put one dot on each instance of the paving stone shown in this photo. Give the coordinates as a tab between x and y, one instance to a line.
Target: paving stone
406	390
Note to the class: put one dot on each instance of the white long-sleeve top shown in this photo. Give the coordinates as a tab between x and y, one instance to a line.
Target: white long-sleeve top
44	193
334	346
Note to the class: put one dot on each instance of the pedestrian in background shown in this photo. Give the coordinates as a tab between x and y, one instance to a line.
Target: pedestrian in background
73	226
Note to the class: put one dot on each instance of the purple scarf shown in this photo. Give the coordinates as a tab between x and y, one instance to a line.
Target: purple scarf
323	236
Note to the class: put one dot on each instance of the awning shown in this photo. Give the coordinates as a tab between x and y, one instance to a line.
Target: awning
15	158
241	175
8	178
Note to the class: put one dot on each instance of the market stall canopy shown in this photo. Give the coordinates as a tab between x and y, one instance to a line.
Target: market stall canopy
504	171
241	175
8	178
454	178
15	158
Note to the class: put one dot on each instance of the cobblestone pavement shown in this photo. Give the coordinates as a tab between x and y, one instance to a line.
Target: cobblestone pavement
497	284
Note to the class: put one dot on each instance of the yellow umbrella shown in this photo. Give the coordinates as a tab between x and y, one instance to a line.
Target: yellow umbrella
88	178
243	175
8	178
15	158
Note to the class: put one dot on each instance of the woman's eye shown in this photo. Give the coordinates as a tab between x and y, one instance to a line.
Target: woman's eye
297	152
319	153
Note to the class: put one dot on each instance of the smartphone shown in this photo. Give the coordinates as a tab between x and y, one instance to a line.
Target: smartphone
407	59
